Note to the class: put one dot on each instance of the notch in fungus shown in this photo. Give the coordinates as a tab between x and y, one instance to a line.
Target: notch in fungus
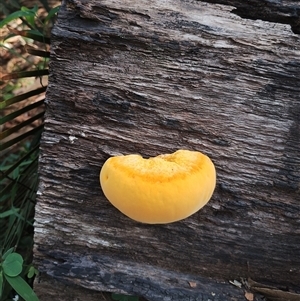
159	190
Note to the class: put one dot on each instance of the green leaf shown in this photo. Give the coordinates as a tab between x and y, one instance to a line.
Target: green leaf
45	4
15	15
8	212
51	13
32	271
1	284
12	265
31	34
8	169
37	36
9	251
30	18
31	10
22	288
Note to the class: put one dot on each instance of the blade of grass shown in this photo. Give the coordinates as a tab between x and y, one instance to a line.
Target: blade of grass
21	125
6	172
19	199
37	52
15	15
14	52
30	19
9	191
31	34
51	13
11	142
22	74
15	99
6	168
17	113
9	212
45	4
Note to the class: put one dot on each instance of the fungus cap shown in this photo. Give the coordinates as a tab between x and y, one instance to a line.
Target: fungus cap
159	190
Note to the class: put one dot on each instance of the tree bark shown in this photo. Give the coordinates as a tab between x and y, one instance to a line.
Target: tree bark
150	77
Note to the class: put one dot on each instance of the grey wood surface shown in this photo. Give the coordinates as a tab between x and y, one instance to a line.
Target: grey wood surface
151	77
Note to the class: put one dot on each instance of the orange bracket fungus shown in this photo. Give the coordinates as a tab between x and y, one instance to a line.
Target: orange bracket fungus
159	190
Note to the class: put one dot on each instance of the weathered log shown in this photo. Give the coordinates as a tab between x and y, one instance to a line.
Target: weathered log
286	12
151	77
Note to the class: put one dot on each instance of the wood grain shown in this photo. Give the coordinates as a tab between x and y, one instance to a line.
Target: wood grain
149	78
